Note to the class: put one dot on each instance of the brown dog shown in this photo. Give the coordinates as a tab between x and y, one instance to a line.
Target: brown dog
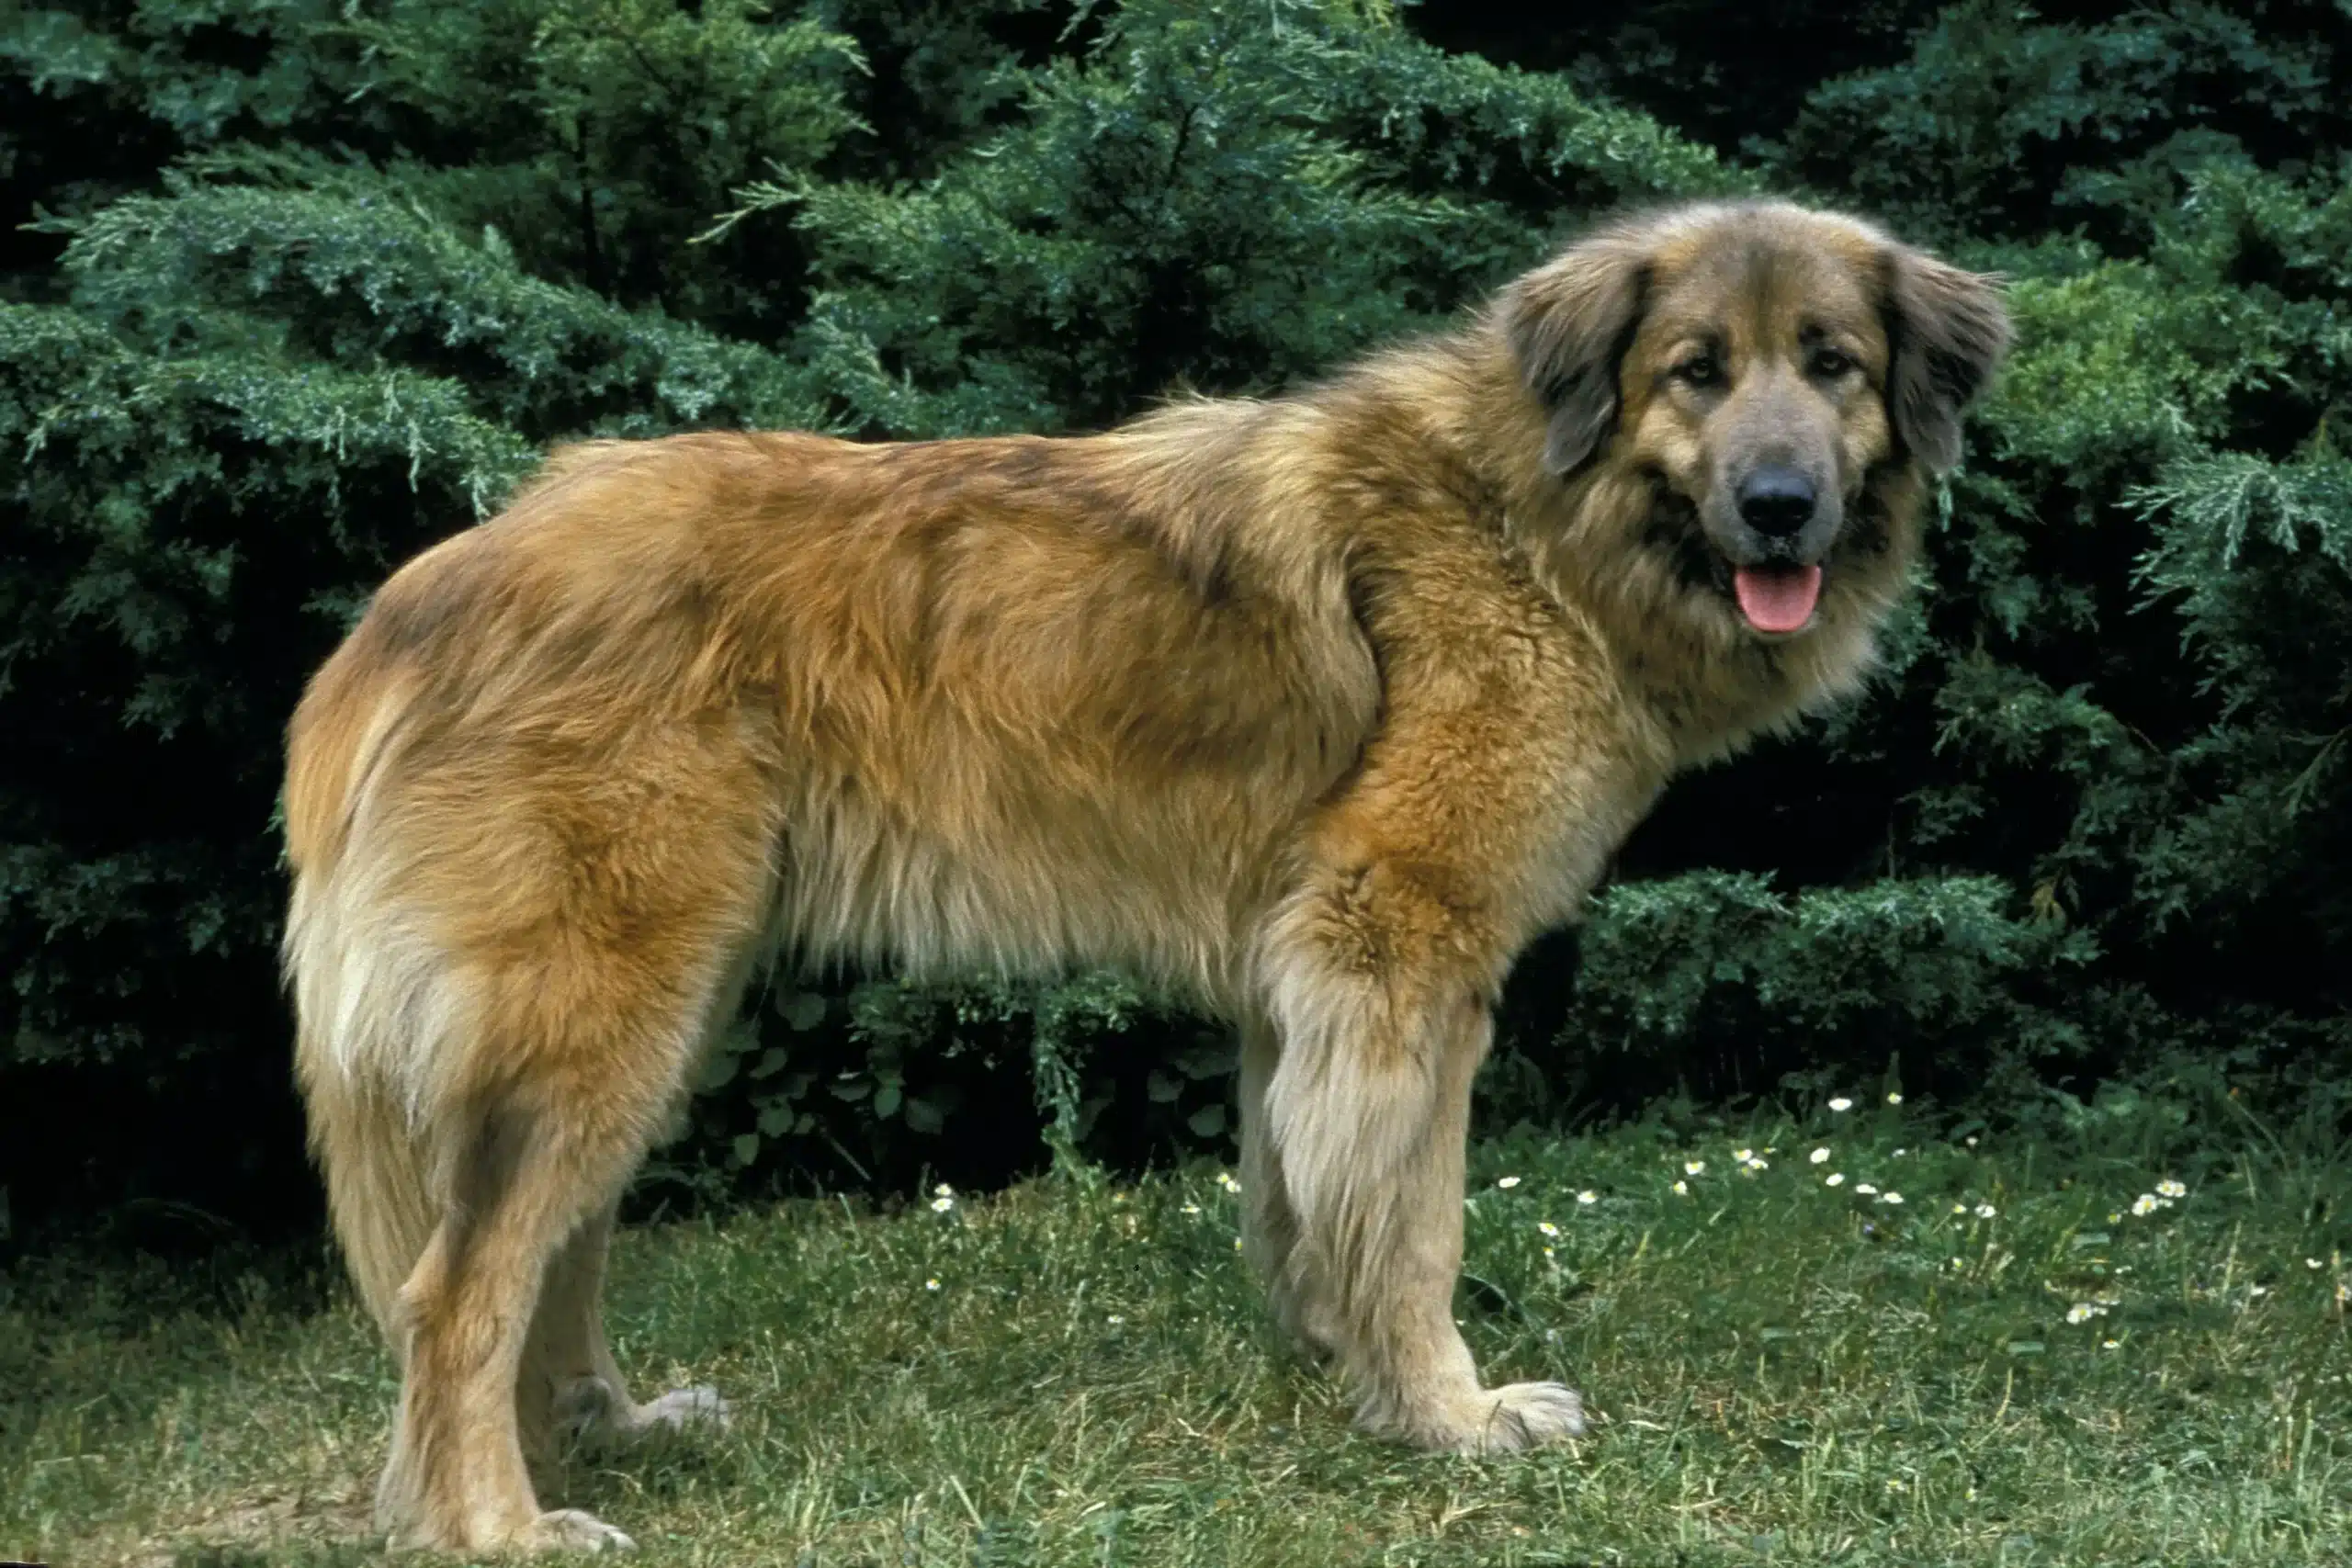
1317	709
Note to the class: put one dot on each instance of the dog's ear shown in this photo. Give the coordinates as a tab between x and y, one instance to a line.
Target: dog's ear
1568	324
1946	332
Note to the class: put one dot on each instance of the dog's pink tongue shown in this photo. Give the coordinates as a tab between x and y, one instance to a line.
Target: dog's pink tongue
1777	598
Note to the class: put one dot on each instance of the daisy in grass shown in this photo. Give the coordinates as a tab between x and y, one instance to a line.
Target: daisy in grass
1508	1182
1819	1156
1224	1180
1587	1198
1841	1104
1835	1179
2170	1189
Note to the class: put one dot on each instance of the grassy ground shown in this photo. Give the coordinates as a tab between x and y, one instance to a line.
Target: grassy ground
2025	1361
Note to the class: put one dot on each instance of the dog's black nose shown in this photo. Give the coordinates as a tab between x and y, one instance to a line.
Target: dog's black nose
1776	501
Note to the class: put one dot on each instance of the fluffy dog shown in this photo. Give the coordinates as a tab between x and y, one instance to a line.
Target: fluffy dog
1316	708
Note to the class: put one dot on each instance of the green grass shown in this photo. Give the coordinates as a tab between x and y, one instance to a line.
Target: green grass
1779	1370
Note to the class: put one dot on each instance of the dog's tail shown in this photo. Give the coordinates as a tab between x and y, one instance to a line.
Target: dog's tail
377	1194
368	989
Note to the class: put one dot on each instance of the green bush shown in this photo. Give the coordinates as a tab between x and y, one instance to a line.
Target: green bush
307	286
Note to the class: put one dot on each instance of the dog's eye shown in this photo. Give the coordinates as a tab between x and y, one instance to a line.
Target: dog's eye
1829	362
1700	370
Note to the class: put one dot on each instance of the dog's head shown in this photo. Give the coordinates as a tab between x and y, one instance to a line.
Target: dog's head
1760	365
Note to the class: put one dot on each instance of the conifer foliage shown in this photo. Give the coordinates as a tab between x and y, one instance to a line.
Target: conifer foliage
293	288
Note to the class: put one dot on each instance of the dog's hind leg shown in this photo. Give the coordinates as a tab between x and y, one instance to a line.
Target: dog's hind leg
520	1179
589	971
572	1391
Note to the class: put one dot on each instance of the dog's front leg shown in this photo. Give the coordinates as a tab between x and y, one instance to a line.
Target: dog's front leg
1384	1017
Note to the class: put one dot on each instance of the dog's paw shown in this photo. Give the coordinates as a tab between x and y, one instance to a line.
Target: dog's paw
591	1414
683	1407
572	1529
1473	1420
1525	1416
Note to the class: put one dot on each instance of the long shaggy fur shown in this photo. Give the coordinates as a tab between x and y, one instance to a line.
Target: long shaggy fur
1316	708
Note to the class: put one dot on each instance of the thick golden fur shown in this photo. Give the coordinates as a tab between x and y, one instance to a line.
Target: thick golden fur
1317	709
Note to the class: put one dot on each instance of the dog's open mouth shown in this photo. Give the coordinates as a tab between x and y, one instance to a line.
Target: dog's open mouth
1777	599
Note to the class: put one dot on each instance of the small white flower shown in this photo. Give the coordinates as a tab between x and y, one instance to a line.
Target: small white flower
2171	1189
1959	1208
2146	1203
1986	1210
1743	1155
1889	1198
1835	1179
2081	1311
1114	1317
1224	1180
931	1284
1893	1098
1694	1168
2110	1344
1819	1156
1588	1197
1547	1227
2314	1263
1682	1190
940	1205
1900	1152
1548	1252
1191	1208
1971	1140
1508	1182
943	1190
1866	1189
1841	1103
